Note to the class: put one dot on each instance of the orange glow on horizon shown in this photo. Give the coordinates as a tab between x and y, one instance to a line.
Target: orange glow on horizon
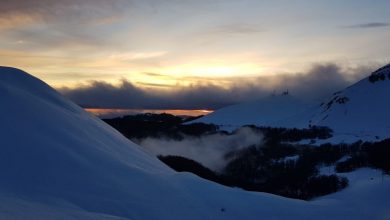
121	112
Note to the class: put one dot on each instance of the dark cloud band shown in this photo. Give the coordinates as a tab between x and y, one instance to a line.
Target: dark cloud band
370	25
315	84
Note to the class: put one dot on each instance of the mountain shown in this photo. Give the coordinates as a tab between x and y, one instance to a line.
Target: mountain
360	111
270	111
59	162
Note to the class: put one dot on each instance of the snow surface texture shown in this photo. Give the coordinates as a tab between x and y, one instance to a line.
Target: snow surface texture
359	112
59	162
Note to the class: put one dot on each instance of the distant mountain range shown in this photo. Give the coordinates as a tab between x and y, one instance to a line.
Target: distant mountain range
359	112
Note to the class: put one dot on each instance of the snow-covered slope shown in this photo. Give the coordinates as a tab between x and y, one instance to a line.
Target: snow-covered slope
270	111
59	162
360	111
366	196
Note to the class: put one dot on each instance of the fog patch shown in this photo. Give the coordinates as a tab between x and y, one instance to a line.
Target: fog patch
209	150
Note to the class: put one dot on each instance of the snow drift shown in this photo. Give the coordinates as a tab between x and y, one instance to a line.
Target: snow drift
59	162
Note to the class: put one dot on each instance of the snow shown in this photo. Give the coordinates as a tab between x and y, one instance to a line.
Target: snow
338	138
366	197
293	158
20	209
270	111
331	169
344	158
327	170
360	112
357	113
59	162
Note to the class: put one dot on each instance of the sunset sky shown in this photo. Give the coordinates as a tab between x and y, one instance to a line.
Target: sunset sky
198	54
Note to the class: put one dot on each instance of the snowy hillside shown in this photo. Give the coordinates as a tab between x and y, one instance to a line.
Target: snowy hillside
270	111
59	162
360	111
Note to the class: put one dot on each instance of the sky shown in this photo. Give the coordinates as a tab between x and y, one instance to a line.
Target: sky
193	54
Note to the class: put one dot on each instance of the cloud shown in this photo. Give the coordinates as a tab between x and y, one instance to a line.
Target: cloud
209	150
238	28
320	80
154	85
16	20
50	24
102	94
127	95
53	10
154	74
369	25
137	56
313	85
